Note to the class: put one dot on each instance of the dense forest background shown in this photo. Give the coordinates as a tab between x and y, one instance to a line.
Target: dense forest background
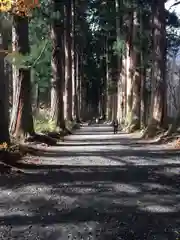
63	62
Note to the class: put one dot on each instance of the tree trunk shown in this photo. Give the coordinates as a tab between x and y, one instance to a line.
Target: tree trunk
68	63
73	55
36	99
81	87
4	100
120	67
77	86
158	69
57	34
108	85
54	97
143	97
128	68
136	80
21	119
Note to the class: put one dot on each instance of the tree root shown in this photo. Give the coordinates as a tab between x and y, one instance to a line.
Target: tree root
9	161
54	135
42	138
152	131
57	135
10	158
26	149
8	168
133	128
134	125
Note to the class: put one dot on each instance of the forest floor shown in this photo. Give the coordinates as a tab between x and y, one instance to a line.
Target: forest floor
94	185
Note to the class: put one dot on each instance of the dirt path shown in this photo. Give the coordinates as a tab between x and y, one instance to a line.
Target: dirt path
95	186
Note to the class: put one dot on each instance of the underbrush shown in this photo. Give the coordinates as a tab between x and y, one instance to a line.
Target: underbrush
43	124
9	156
45	133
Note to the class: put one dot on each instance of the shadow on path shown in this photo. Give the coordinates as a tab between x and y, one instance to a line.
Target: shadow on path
164	153
128	202
112	202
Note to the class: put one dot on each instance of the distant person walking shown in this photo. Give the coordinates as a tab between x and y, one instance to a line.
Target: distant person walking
115	126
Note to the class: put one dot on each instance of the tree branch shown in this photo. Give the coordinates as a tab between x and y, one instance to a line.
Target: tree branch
40	55
175	4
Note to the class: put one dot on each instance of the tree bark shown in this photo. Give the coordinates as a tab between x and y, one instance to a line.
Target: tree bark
57	62
136	80
4	96
73	55
21	119
120	66
158	91
68	62
77	87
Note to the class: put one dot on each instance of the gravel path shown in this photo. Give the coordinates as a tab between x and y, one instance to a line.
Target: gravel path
97	185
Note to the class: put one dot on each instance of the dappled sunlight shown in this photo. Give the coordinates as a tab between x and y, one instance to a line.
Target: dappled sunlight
159	209
101	205
156	186
170	171
126	188
77	161
102	192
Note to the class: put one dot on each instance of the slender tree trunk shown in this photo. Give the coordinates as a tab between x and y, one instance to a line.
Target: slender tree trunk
21	119
77	85
14	69
142	97
120	67
81	87
37	98
129	67
54	97
108	93
73	55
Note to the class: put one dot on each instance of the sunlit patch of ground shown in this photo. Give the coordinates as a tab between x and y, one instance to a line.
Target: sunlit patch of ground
118	192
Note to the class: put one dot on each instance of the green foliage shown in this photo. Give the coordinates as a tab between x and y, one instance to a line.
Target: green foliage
29	60
42	123
119	47
112	87
39	33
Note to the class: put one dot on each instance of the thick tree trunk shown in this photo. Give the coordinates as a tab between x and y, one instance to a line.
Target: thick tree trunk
158	69
120	66
136	80
21	119
4	99
173	127
68	62
57	34
128	69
